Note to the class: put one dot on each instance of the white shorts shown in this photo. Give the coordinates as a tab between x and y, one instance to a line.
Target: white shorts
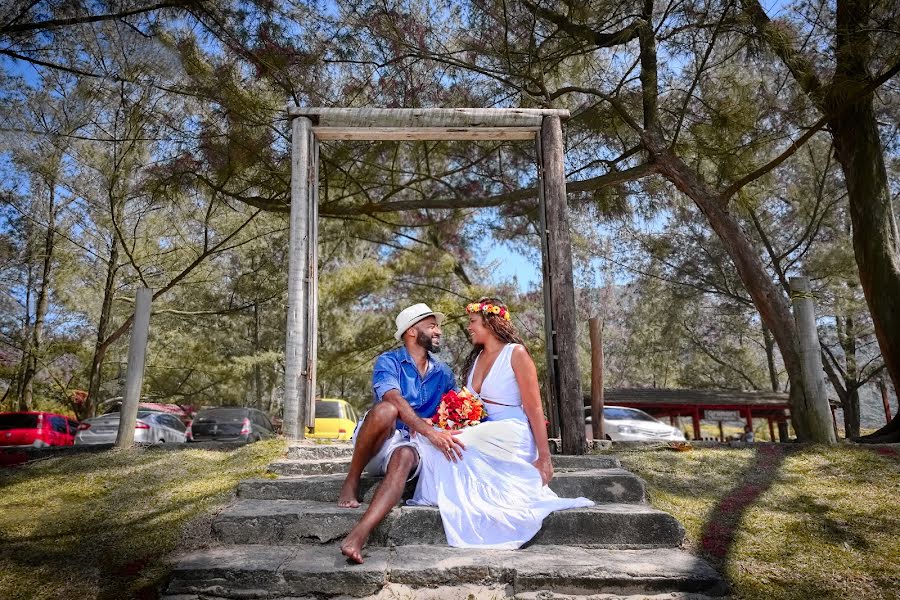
378	464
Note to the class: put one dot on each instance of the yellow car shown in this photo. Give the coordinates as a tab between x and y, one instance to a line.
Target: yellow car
335	419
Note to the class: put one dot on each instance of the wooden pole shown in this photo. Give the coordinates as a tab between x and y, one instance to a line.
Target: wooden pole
134	374
296	340
562	289
882	386
552	387
816	407
312	284
784	435
771	429
721	432
596	330
695	418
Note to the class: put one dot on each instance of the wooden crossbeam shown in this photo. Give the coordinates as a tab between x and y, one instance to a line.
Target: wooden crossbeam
425	133
426	117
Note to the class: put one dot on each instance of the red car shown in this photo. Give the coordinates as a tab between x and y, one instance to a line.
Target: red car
36	429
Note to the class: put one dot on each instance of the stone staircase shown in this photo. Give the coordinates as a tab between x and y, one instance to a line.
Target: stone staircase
280	538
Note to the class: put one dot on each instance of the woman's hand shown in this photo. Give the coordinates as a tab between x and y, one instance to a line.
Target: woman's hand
545	468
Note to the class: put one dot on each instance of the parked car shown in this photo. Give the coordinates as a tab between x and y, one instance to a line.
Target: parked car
36	429
230	424
150	428
115	405
623	424
335	419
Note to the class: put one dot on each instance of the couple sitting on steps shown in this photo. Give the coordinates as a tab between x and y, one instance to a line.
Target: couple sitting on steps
489	481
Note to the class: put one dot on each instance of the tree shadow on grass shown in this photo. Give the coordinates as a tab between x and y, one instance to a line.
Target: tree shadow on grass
720	530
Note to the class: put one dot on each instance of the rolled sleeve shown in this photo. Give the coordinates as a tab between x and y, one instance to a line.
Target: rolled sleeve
385	376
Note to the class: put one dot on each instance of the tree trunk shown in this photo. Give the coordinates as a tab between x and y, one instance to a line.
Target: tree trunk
770	357
43	301
23	403
257	370
850	402
768	298
112	268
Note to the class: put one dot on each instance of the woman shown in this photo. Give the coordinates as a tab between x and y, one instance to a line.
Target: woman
496	494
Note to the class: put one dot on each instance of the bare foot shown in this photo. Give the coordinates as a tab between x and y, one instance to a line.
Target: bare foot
347	497
352	549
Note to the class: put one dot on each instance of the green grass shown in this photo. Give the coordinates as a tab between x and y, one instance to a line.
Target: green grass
784	522
101	525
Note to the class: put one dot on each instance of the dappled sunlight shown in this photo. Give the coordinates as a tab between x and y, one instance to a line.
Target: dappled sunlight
818	522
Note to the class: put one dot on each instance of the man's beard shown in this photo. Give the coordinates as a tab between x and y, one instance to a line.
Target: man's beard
427	342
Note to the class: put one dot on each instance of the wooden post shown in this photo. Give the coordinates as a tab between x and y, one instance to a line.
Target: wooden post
815	396
562	289
771	429
695	417
750	417
552	388
882	386
296	368
784	436
721	432
312	283
596	331
134	374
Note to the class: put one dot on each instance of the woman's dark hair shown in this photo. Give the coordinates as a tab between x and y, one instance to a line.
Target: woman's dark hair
502	329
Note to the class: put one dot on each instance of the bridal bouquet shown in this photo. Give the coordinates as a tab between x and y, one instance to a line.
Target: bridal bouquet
459	409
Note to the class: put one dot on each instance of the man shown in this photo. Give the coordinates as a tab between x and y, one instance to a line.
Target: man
408	383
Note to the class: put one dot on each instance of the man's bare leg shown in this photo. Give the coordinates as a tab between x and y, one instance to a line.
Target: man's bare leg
403	461
378	425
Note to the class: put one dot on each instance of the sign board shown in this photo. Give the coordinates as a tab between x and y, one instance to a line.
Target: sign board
722	415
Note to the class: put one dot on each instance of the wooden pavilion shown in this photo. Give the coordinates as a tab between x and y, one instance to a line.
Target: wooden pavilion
309	126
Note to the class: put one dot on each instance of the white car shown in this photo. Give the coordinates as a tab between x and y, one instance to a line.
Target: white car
622	424
150	428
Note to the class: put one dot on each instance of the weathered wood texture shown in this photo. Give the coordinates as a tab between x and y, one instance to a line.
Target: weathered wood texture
562	289
134	373
313	284
596	331
296	342
426	117
816	410
425	133
552	387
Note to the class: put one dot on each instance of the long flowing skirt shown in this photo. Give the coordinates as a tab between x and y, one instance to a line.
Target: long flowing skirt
493	497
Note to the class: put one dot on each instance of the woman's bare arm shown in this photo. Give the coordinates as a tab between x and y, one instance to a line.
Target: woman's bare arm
526	377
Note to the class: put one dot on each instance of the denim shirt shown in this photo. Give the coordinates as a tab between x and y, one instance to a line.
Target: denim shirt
396	370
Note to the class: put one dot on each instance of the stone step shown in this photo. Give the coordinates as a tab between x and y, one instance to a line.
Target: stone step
299	466
281	522
320	451
312	464
599	485
261	571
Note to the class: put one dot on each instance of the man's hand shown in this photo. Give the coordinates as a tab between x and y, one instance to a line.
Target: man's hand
446	442
545	468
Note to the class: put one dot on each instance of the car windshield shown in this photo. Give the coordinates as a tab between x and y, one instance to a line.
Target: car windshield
615	413
221	415
18	421
328	410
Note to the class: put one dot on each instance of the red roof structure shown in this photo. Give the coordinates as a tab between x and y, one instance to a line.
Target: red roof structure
713	405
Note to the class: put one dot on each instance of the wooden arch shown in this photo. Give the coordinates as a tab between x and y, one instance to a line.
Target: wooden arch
544	126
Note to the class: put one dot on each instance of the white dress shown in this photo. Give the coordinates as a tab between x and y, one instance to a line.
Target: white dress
493	497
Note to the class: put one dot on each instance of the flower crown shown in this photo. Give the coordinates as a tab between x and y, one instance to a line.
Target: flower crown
488	309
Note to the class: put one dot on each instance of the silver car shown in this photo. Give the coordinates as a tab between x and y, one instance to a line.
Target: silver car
622	424
150	428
